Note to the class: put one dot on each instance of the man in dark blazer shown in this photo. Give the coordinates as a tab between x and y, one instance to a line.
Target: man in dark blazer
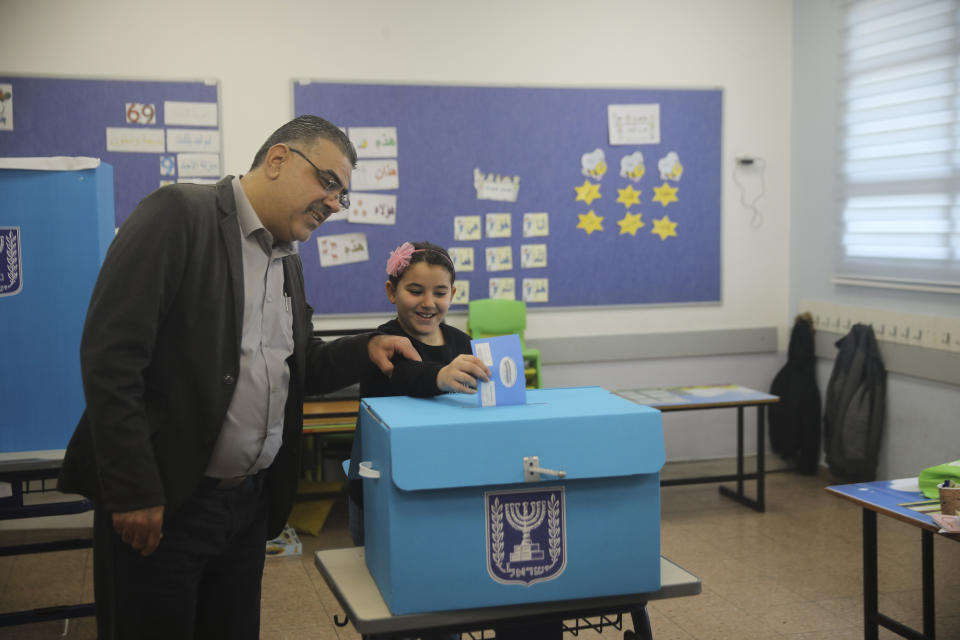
196	354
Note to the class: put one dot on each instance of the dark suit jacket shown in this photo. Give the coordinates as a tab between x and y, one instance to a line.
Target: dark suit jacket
160	355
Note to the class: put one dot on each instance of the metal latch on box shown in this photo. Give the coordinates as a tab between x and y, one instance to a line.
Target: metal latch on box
532	470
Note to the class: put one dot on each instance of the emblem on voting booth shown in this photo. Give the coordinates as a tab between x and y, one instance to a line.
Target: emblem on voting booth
11	266
526	535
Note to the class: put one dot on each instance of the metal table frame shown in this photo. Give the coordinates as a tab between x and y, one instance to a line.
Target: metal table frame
872	501
16	473
345	572
752	399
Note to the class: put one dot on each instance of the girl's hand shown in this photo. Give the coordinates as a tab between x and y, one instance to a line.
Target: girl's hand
461	375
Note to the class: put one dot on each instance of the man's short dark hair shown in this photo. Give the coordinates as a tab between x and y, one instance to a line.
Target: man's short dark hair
306	129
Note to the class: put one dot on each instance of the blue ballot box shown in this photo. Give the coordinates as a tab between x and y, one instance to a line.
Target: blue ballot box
470	507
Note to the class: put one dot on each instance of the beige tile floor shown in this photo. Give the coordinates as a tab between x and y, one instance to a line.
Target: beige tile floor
793	572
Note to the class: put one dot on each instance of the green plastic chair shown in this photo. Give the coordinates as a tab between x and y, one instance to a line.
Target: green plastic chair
488	317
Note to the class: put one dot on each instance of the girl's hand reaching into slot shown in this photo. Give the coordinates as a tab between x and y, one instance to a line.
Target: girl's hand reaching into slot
462	374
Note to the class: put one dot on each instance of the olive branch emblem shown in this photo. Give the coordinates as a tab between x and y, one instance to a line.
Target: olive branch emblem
553	528
12	259
496	532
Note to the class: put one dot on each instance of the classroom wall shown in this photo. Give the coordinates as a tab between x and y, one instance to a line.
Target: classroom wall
922	423
255	49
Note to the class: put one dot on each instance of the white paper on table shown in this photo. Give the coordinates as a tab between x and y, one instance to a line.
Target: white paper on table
652	397
905	484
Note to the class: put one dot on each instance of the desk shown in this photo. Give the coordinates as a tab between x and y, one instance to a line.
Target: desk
881	497
715	397
345	571
16	472
330	416
323	418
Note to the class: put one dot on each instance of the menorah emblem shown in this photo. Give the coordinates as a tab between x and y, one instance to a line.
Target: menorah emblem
526	521
532	522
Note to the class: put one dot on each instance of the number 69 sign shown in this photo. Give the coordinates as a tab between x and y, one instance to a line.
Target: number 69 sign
138	113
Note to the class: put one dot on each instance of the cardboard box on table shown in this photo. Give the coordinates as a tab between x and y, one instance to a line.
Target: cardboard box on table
451	523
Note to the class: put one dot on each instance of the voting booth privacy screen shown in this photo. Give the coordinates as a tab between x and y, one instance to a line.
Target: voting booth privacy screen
557	196
454	519
55	227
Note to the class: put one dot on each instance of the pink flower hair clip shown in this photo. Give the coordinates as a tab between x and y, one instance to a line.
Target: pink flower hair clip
399	259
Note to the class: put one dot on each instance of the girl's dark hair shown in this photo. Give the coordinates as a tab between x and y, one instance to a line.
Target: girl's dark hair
431	254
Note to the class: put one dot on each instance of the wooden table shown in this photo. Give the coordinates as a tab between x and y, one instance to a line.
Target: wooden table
886	497
725	396
330	416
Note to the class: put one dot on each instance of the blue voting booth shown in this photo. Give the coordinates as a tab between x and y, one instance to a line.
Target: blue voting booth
55	226
470	507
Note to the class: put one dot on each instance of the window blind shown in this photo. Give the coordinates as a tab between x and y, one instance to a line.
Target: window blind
900	144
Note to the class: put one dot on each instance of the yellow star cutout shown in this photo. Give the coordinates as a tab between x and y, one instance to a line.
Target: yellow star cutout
628	196
588	192
630	223
664	227
590	222
665	194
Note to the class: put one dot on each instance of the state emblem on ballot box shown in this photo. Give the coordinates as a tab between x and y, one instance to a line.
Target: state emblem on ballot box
11	266
526	535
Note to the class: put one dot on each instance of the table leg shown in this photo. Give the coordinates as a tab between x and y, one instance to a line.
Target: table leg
871	628
929	617
740	450
641	624
739	495
761	448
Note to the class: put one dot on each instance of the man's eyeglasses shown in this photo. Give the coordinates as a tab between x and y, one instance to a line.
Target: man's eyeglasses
328	179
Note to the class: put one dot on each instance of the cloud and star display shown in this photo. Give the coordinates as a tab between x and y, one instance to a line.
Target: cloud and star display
664	227
665	194
593	165
630	223
628	196
588	192
590	222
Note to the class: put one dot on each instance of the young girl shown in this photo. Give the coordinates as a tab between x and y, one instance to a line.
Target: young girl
420	285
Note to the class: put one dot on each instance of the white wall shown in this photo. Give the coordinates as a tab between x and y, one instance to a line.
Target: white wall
255	49
922	416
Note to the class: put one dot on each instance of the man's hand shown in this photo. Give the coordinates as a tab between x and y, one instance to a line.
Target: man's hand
382	348
462	374
141	528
